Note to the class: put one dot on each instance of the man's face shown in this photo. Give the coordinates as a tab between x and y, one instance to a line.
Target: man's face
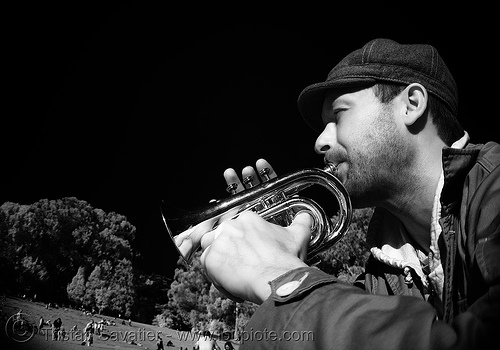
361	137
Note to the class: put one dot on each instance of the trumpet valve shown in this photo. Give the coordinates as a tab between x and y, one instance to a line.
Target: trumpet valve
248	181
264	173
231	188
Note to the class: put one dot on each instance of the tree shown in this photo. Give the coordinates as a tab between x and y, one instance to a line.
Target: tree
76	289
151	298
347	258
194	304
103	298
221	312
93	283
110	287
187	296
121	287
48	247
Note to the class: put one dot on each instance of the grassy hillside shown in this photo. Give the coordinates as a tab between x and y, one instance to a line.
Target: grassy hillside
136	336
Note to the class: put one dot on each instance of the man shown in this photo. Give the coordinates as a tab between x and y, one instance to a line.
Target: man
88	332
56	328
387	120
159	343
206	342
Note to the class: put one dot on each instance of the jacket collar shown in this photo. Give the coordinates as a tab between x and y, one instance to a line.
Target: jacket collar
456	165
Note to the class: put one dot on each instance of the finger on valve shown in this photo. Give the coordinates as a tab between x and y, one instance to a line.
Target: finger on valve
233	182
249	176
265	170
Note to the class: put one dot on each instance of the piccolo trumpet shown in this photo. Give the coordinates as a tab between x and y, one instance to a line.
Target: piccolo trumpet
276	200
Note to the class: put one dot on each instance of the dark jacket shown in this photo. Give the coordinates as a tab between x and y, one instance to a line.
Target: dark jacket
309	309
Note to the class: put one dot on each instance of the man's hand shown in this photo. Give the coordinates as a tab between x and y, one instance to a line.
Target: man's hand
242	255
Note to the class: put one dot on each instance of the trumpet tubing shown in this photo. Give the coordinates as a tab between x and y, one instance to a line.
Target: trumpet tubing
276	200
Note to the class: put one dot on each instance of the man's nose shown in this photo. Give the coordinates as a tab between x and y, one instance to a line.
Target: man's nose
327	139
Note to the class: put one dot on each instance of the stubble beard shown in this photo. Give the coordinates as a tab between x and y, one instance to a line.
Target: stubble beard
379	164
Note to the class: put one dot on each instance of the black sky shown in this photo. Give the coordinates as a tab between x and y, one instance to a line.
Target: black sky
124	105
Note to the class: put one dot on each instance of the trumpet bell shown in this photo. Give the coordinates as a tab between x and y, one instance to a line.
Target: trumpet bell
277	200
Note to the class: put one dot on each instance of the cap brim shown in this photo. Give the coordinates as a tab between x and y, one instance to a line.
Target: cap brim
310	101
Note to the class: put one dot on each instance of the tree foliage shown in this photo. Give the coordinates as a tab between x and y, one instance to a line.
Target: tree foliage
76	289
150	295
195	304
347	258
64	250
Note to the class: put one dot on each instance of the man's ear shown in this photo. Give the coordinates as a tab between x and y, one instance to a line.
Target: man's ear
414	99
